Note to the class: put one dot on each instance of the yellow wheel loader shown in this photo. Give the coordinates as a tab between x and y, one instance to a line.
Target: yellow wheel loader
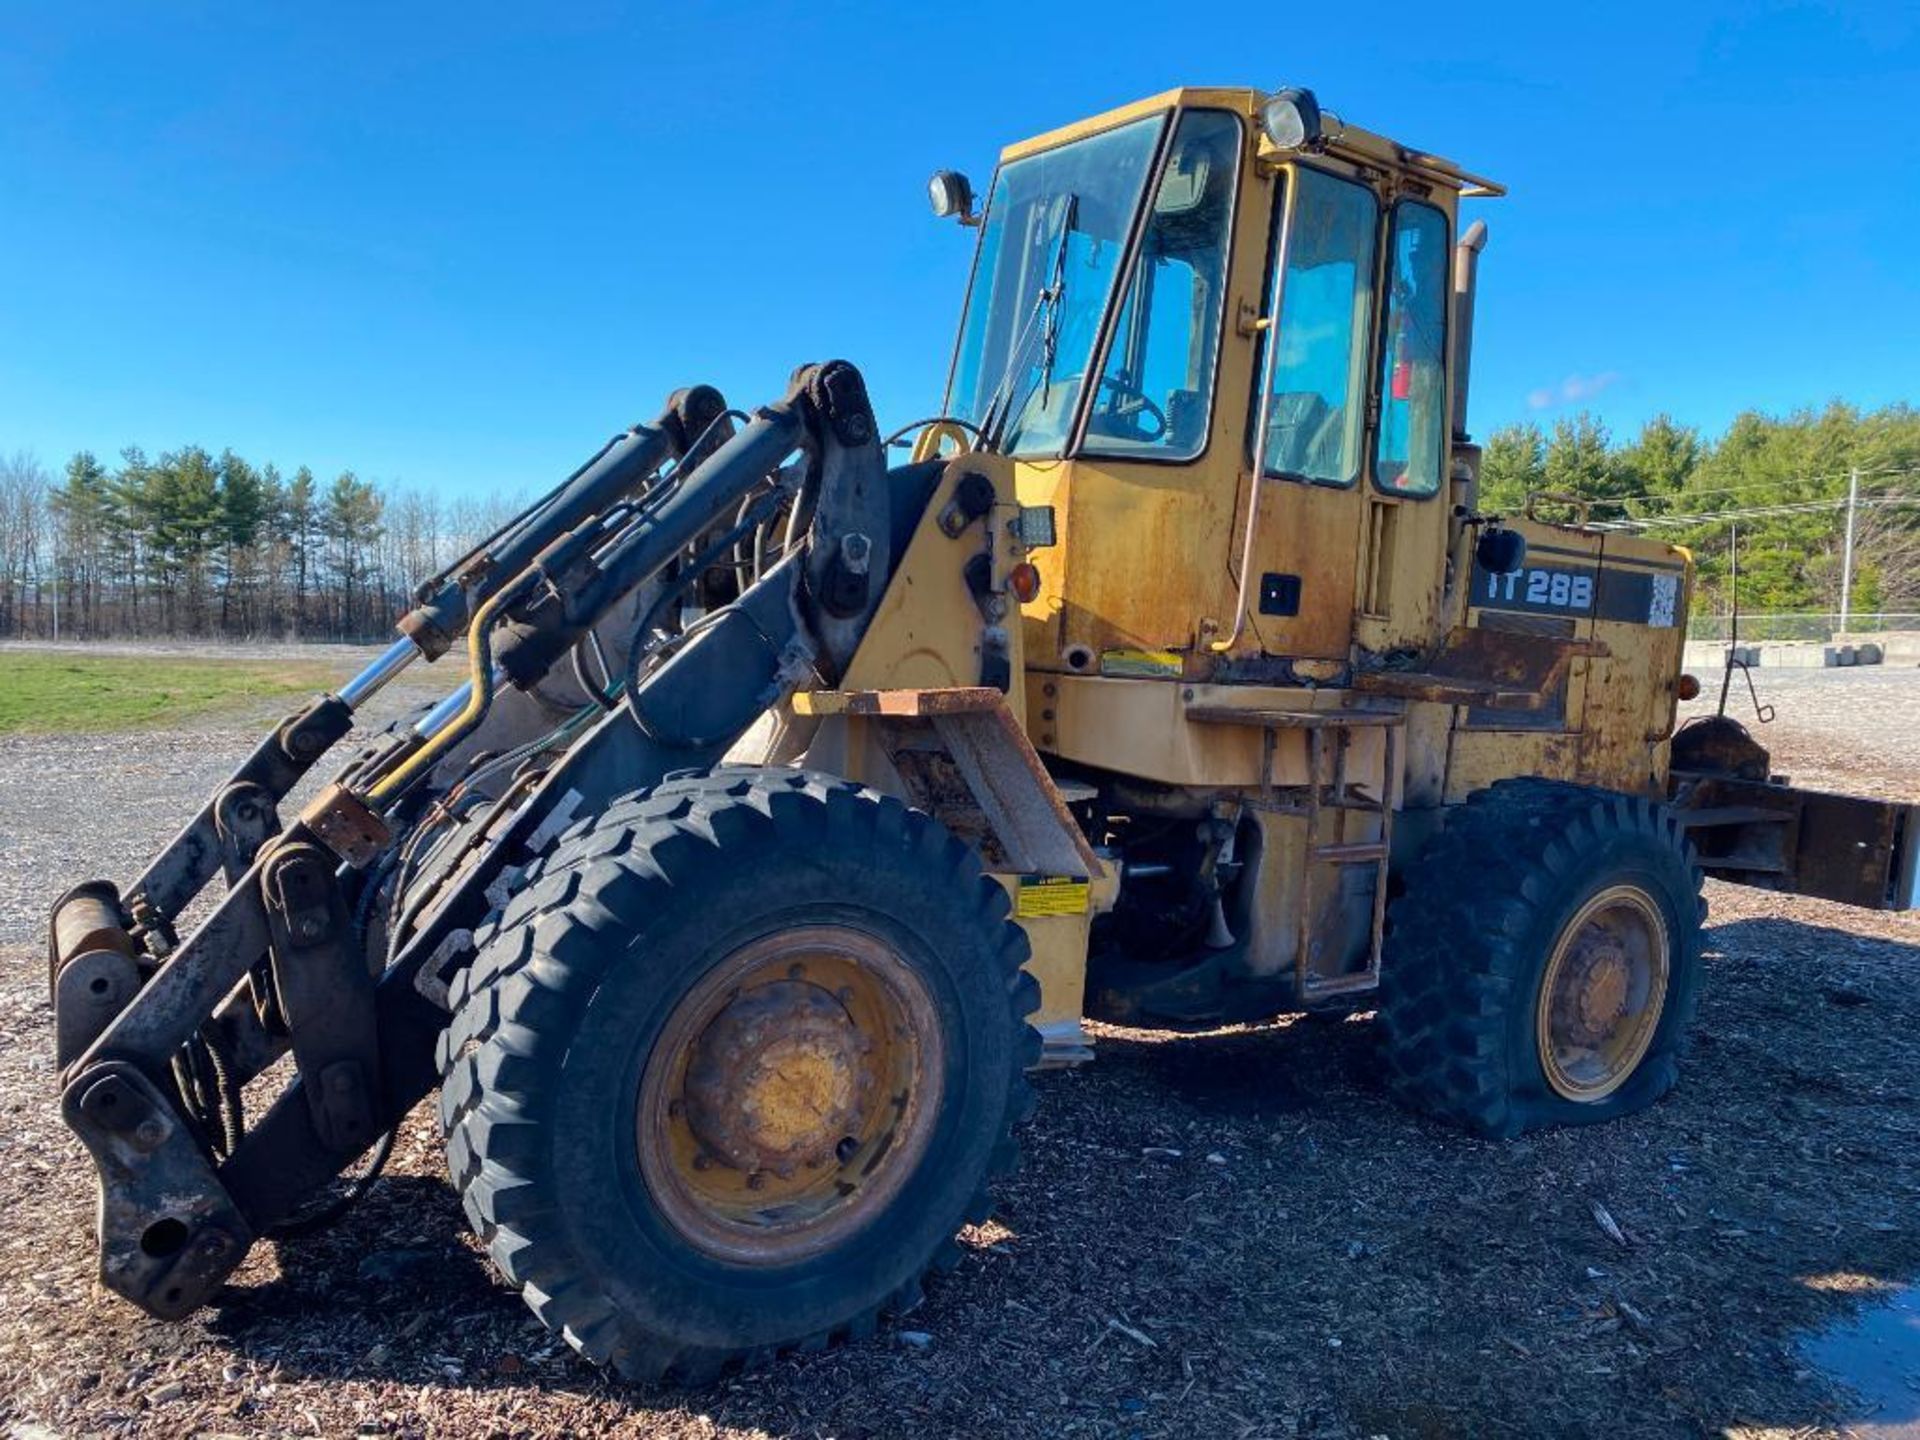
795	804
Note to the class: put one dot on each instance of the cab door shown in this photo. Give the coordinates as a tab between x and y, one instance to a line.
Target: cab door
1309	422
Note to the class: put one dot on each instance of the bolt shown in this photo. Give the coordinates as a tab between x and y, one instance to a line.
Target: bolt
844	994
701	1162
846	1150
149	1132
676	1108
796	970
1049	690
756	1181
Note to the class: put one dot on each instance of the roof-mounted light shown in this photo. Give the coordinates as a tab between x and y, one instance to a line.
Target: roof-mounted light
1290	118
952	196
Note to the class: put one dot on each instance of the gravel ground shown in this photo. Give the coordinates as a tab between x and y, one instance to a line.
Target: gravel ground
1230	1234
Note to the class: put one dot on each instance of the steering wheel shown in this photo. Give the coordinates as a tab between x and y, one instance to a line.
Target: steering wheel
1144	406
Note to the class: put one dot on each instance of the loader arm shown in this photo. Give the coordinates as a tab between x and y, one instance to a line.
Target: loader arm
339	933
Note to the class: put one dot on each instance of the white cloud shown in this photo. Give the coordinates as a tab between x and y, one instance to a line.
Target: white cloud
1571	390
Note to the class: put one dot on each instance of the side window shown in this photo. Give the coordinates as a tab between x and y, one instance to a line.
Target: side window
1413	365
1316	414
1155	389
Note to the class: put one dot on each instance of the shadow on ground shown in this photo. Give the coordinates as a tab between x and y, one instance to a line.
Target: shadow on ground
1237	1233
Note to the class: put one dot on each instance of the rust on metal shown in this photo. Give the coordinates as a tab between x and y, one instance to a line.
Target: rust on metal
89	920
777	1079
1845	848
343	822
1602	994
790	1094
908	704
967	762
1499	669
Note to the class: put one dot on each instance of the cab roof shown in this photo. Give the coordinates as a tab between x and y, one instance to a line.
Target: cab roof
1347	141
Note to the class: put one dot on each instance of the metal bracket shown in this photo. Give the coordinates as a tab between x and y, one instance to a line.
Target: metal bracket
327	992
91	969
169	1232
244	818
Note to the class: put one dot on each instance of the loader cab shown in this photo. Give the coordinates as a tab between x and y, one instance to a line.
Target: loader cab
1165	301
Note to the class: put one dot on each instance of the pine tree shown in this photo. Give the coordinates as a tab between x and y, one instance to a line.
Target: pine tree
350	522
1660	462
299	525
1512	466
83	516
243	512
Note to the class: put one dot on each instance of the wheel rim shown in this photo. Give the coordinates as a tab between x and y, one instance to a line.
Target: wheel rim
1601	996
790	1095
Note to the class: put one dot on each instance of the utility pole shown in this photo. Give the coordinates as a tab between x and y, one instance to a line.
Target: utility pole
1846	557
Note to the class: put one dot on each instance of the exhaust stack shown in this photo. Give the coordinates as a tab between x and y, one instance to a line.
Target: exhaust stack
1466	275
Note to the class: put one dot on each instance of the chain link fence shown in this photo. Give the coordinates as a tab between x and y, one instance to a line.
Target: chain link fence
1810	626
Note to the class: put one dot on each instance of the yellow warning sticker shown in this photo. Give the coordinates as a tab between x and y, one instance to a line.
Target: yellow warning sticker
1140	662
1050	895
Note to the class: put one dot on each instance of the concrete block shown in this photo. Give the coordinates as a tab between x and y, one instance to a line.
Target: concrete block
1869	654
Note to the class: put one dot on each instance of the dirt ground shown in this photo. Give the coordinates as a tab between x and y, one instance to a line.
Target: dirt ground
1231	1234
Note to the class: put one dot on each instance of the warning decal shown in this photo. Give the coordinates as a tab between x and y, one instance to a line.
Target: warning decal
1050	895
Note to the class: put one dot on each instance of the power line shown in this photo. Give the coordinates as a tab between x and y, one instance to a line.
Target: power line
1802	507
1704	490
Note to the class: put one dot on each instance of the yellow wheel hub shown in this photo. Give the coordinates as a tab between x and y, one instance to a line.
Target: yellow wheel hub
790	1094
1602	994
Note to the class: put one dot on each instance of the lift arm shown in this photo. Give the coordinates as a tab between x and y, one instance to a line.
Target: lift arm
338	935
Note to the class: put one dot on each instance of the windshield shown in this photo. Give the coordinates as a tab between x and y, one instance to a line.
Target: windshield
1056	224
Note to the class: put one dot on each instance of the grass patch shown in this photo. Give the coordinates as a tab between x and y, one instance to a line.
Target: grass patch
42	693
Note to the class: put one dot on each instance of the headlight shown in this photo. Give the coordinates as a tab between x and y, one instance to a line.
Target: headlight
951	195
1291	119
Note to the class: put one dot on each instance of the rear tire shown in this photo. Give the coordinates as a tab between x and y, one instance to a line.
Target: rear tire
1543	964
635	1141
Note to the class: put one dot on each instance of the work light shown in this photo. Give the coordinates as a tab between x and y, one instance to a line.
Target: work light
951	195
1291	119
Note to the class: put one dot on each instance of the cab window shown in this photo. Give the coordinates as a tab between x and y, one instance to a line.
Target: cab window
1156	385
1411	454
1316	415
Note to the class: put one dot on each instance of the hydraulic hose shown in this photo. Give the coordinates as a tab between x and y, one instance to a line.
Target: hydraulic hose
479	697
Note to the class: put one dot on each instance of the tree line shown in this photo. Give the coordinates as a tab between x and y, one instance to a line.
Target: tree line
193	544
1782	481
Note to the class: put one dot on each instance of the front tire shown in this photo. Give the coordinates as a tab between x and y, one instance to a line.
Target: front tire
732	1068
1543	963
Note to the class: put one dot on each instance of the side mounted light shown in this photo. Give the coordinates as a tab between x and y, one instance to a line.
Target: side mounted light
1291	119
952	196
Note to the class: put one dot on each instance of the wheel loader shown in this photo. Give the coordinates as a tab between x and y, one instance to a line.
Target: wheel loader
793	804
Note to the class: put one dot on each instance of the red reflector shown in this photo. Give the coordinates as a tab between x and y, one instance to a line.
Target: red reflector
1024	580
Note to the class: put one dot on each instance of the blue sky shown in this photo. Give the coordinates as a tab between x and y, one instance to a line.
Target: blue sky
457	246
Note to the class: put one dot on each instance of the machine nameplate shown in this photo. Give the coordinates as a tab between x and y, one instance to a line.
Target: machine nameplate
1633	597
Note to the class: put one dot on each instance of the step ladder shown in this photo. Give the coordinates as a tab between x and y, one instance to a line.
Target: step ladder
1326	800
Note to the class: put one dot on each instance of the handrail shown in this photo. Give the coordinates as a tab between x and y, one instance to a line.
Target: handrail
1272	326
